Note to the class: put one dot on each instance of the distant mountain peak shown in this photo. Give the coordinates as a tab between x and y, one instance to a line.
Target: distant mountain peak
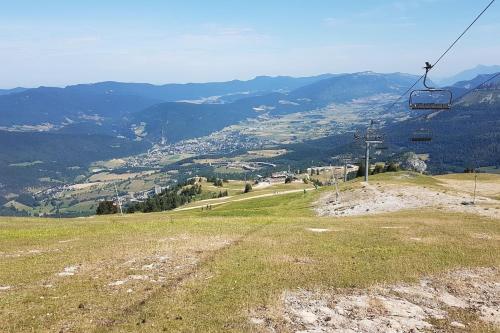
367	73
12	91
485	66
469	74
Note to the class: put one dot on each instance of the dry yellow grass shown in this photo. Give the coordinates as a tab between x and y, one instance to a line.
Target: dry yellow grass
212	271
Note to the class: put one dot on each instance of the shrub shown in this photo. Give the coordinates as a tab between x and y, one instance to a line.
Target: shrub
378	169
106	208
361	170
392	167
222	194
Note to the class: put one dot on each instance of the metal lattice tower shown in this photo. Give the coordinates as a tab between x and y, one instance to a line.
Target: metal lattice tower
118	200
371	136
346	159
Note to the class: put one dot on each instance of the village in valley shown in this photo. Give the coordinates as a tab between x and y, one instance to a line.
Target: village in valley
250	166
124	187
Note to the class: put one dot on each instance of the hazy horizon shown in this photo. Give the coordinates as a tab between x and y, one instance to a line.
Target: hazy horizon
234	79
59	43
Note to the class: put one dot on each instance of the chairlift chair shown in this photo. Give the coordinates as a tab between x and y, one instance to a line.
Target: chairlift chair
374	135
430	98
422	135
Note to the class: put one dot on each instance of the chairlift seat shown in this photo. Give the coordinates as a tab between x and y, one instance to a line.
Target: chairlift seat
430	106
442	99
422	135
421	139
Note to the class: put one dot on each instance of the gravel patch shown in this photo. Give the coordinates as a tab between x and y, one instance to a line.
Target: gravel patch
388	198
68	271
396	308
318	230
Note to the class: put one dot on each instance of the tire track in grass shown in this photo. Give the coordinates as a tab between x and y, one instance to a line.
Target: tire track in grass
134	309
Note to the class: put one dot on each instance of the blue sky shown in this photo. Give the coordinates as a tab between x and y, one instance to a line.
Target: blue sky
60	42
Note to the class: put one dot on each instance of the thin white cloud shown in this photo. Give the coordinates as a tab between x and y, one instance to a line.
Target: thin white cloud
216	37
333	22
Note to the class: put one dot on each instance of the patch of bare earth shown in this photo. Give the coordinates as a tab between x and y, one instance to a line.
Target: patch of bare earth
167	263
429	306
373	199
26	253
101	292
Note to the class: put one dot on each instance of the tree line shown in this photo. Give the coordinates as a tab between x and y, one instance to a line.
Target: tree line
169	199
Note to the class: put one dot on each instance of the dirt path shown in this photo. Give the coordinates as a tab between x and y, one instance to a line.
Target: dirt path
384	198
238	200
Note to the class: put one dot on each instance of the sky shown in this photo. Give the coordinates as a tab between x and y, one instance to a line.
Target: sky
62	42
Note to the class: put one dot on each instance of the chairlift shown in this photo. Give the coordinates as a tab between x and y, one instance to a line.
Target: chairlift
422	135
373	135
430	98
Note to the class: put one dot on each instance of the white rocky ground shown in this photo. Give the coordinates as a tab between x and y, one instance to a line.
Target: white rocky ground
383	198
396	308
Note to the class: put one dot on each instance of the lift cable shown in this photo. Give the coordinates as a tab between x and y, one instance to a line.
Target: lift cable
477	87
444	54
463	33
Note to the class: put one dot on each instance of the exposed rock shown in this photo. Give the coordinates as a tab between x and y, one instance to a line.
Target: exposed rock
396	308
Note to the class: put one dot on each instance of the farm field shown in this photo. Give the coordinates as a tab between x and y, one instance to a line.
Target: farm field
264	264
248	156
314	124
82	198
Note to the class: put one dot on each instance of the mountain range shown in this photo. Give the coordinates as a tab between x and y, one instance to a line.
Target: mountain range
11	91
468	74
56	133
113	108
468	136
115	99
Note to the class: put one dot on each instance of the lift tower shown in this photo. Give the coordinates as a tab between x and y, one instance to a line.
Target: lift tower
371	136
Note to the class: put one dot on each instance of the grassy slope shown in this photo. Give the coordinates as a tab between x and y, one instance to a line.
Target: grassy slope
235	191
271	251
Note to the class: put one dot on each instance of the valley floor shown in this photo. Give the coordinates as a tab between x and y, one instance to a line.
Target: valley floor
265	264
